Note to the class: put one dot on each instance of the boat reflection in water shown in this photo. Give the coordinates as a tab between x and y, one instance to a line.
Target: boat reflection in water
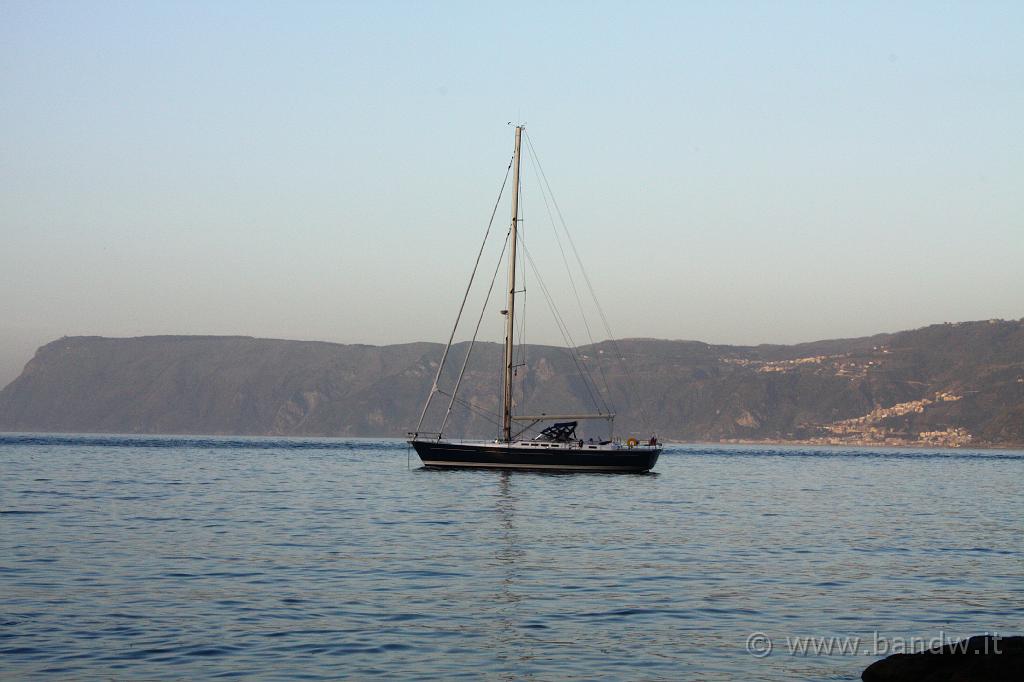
513	647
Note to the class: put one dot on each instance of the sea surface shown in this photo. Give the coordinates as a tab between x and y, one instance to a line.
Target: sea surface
128	557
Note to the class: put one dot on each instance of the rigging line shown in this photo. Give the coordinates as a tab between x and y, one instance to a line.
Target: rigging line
584	372
471	406
521	350
563	328
519	357
600	310
495	421
593	294
522	362
568	271
606	395
458	317
596	399
480	412
476	331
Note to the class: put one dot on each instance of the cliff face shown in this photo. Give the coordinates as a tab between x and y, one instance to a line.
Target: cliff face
952	384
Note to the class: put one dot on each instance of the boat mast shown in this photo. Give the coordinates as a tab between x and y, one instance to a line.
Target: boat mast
506	403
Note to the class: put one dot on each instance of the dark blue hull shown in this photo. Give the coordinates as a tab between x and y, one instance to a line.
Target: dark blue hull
436	454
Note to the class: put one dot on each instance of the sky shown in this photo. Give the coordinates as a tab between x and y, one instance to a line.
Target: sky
732	172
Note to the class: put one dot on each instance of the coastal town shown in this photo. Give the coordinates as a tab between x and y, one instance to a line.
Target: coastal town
880	426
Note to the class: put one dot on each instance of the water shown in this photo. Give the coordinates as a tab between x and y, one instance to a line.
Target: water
149	557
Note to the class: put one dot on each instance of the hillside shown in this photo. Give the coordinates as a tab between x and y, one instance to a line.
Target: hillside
951	384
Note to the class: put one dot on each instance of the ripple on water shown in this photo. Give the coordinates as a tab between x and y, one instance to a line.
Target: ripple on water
153	557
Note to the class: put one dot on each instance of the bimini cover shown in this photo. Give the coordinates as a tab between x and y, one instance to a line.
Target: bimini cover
560	432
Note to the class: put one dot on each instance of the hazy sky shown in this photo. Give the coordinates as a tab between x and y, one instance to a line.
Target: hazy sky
732	172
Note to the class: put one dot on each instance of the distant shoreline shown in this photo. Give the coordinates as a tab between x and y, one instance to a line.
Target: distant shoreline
957	386
855	444
664	441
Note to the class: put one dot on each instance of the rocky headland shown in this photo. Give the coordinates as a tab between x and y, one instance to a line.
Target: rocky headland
950	385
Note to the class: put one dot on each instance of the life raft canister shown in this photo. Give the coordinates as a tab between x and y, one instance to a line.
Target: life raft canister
632	442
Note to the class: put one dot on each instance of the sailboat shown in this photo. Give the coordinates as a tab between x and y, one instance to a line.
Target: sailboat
556	447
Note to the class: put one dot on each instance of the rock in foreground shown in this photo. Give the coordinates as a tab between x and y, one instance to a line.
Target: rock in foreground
984	658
